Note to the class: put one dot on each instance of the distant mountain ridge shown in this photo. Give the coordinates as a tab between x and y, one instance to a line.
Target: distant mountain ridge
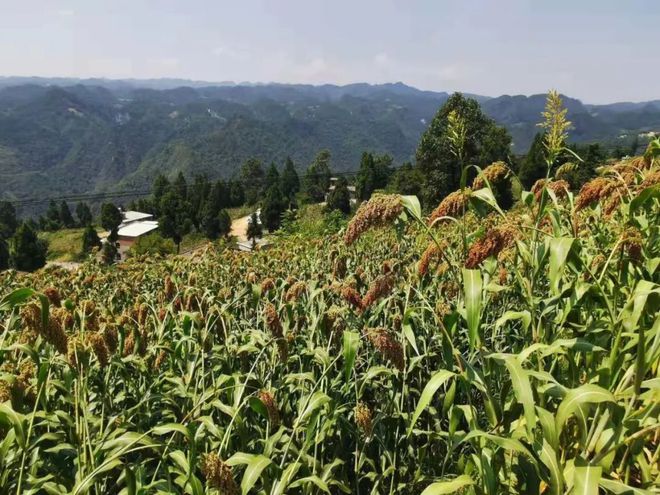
61	136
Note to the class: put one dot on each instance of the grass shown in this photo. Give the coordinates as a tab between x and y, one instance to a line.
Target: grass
241	211
63	245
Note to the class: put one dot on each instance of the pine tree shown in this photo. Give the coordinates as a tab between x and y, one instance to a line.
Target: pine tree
8	220
252	177
534	166
4	254
437	158
340	198
273	207
84	214
254	229
272	177
317	178
290	180
90	240
27	251
111	218
52	219
66	219
224	223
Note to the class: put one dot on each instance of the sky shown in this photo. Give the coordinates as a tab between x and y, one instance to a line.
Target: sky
597	50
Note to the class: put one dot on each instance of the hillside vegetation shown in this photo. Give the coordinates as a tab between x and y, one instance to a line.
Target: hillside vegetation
474	350
79	138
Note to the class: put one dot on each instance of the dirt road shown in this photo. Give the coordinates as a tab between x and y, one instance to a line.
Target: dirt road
239	228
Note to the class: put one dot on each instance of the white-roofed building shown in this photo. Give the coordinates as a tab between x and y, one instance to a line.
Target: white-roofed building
134	225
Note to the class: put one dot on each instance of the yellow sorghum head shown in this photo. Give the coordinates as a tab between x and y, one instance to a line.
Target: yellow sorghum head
352	296
454	205
493	173
380	210
491	244
380	287
364	418
273	321
632	242
218	474
295	291
268	400
97	343
53	296
387	345
267	284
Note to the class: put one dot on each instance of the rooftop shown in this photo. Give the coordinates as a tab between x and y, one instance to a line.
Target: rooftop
134	216
136	229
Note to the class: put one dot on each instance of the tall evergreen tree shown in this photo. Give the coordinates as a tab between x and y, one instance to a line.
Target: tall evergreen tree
273	207
180	187
407	180
290	180
252	178
173	220
52	219
534	166
84	214
4	254
254	229
340	198
27	251
317	178
374	173
160	187
111	218
8	220
272	177
484	143
224	223
66	219
236	194
90	240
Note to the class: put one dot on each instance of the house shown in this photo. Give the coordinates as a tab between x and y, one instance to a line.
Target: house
351	190
134	225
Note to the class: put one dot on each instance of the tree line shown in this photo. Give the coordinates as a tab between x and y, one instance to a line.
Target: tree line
201	205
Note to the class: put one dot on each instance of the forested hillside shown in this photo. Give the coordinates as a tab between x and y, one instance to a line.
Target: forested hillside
105	135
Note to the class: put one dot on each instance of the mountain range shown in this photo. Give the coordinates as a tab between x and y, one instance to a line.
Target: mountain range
63	136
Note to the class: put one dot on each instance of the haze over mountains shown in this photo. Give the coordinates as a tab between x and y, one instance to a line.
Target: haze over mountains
62	136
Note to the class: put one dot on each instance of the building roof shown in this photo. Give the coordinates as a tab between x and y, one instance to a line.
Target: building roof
136	229
134	216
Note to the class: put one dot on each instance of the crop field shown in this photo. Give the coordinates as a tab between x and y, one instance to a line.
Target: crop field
471	350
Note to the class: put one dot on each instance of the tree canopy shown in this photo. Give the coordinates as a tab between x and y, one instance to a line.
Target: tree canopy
485	142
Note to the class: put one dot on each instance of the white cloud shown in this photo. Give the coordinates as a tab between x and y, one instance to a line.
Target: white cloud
66	12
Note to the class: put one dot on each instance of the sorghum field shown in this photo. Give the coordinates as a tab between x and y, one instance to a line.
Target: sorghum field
472	350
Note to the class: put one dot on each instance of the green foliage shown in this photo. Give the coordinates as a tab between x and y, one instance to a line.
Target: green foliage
317	177
439	161
27	252
4	254
66	219
254	228
339	198
290	180
8	220
272	208
111	217
374	173
533	166
252	178
152	244
84	214
90	240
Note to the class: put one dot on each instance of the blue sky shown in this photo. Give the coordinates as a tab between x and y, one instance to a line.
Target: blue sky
596	50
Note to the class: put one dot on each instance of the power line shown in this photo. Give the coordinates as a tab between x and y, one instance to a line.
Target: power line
147	192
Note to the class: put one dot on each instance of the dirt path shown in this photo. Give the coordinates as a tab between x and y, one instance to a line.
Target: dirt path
239	228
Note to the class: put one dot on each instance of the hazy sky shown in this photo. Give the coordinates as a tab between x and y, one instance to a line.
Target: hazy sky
596	50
